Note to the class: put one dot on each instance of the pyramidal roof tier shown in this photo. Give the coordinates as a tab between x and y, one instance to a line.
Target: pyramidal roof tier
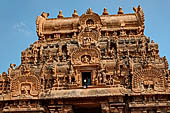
88	64
133	22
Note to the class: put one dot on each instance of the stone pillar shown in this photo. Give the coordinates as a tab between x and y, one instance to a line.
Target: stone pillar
105	108
79	78
93	77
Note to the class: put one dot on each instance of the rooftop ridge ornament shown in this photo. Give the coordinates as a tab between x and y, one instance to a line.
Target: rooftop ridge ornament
105	12
89	11
140	14
75	14
45	15
60	15
120	11
137	9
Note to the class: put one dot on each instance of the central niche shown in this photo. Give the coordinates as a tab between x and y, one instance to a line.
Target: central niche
89	22
85	59
85	56
86	79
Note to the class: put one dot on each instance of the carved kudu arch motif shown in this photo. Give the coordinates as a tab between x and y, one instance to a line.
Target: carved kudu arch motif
28	85
85	56
88	18
90	27
148	79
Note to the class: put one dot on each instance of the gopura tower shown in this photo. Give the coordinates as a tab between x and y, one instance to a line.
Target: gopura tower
88	64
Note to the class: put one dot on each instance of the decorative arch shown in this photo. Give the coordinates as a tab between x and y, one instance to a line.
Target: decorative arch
151	79
89	22
92	16
27	85
90	26
85	56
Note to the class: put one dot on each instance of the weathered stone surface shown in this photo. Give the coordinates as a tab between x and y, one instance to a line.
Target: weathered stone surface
88	63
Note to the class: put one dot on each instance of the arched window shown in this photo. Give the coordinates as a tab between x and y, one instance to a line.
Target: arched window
89	22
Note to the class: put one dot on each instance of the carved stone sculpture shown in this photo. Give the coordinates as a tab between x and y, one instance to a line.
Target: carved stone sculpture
88	64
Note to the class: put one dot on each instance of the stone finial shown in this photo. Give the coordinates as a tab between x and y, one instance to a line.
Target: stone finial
139	8
120	10
60	15
75	13
105	12
4	74
135	9
12	66
45	15
89	11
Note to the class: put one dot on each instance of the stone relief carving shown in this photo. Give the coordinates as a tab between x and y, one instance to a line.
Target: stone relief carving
25	85
85	55
150	79
107	52
86	38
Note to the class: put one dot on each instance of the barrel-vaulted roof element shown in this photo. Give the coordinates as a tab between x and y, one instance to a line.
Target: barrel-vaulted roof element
61	24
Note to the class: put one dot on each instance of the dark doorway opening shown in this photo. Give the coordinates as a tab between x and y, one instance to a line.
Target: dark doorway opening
86	78
87	109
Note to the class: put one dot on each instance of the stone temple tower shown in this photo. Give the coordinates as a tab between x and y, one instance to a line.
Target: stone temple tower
88	64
